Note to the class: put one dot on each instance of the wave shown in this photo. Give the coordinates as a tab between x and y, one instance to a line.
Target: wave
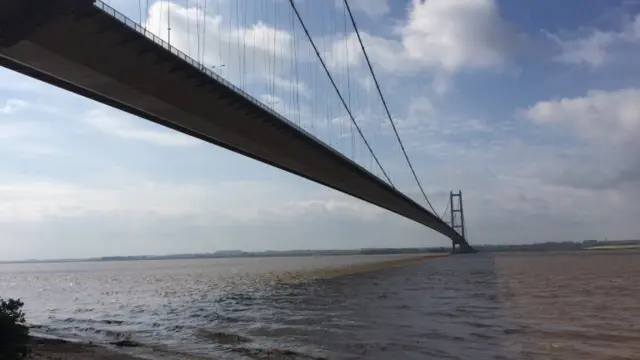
221	337
273	353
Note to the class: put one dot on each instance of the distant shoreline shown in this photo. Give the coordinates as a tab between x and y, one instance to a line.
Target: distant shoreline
614	247
238	254
243	254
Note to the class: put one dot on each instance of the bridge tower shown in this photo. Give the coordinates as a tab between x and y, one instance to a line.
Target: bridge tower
457	217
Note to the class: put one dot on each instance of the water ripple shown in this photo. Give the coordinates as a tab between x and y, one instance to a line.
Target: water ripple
535	306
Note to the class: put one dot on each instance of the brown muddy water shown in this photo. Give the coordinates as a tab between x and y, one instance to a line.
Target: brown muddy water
578	305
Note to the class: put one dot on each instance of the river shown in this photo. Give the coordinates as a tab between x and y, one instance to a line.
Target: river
574	305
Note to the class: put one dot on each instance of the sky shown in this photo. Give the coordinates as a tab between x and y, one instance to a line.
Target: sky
531	108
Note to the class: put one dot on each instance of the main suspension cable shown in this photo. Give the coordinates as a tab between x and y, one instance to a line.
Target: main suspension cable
384	103
335	87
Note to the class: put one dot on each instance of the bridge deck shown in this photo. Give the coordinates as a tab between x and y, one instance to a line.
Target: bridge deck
93	51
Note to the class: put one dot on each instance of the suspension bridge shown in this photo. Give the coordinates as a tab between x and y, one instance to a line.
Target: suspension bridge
266	87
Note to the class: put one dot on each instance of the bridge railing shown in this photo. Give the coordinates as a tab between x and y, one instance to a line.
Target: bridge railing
158	40
200	67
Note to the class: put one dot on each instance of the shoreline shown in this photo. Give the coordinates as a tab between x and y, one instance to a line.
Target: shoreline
44	348
247	255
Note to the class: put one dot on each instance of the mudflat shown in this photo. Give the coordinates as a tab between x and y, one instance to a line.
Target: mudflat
54	349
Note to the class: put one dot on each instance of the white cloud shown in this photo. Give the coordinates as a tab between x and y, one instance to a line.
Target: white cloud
26	136
11	106
294	210
590	50
249	49
457	34
598	47
442	83
28	200
265	38
609	121
389	54
424	119
112	123
291	86
61	219
447	35
613	116
270	99
421	106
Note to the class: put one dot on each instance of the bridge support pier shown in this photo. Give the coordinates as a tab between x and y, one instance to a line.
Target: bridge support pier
460	245
457	221
462	248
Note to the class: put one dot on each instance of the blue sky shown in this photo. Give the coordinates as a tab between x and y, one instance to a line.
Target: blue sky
531	108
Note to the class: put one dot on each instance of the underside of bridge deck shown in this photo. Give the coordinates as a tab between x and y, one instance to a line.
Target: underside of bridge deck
83	47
